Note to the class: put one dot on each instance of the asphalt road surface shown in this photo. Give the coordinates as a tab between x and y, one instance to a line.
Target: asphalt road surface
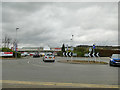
33	72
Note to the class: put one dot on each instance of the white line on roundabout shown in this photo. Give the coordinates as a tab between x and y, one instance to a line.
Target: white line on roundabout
38	65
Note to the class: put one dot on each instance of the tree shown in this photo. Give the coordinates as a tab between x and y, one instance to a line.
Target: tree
6	41
63	48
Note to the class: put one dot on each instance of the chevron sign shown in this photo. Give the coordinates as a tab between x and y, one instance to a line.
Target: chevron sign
93	54
67	54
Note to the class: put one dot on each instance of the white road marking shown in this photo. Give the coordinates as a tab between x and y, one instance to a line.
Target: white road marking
28	62
38	65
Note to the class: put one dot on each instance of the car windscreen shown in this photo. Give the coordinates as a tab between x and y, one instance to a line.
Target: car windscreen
49	55
116	56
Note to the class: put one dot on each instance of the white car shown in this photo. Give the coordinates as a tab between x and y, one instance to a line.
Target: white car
49	57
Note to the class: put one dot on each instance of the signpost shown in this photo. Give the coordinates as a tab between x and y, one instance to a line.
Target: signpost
93	54
94	51
90	49
67	51
93	46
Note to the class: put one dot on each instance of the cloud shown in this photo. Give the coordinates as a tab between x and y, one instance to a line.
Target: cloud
53	23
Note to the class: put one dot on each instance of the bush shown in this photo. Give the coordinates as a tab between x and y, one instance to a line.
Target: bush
80	54
59	53
18	54
80	51
6	50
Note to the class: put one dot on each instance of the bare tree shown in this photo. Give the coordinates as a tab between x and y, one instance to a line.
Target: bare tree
6	41
14	43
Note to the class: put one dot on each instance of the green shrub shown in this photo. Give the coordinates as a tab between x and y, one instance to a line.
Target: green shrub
80	51
6	50
18	54
59	53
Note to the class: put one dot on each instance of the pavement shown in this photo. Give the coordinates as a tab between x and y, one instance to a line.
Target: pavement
33	72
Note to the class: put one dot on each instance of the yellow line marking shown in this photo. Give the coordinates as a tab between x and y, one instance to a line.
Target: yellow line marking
59	84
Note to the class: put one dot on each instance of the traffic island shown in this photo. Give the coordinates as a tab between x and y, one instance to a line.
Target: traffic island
82	62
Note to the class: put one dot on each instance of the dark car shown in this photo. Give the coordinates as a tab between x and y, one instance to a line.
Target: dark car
36	55
115	60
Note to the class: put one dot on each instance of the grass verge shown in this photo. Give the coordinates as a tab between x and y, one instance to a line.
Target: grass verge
82	62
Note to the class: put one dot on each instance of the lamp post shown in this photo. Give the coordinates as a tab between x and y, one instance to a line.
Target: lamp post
16	44
71	47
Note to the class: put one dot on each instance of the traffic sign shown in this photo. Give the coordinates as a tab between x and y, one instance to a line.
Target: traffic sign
89	54
70	54
97	54
90	49
63	53
67	54
93	54
93	46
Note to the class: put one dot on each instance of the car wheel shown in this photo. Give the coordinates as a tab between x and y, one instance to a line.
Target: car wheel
110	63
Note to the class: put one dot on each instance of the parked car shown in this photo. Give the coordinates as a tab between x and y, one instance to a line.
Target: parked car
36	55
23	54
49	57
115	60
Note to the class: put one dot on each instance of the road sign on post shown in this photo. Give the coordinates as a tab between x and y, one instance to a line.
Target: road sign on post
94	51
93	46
90	49
67	52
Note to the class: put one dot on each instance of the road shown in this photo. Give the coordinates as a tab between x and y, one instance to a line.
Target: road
36	73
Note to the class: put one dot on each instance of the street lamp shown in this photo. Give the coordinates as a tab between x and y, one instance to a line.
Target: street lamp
71	40
16	44
71	47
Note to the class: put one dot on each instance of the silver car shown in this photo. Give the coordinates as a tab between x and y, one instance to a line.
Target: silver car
49	57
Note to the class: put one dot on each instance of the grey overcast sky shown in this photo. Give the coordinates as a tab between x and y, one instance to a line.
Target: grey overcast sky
50	23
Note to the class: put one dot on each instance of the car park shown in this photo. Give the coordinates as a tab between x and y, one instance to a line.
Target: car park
49	57
23	54
115	60
36	55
